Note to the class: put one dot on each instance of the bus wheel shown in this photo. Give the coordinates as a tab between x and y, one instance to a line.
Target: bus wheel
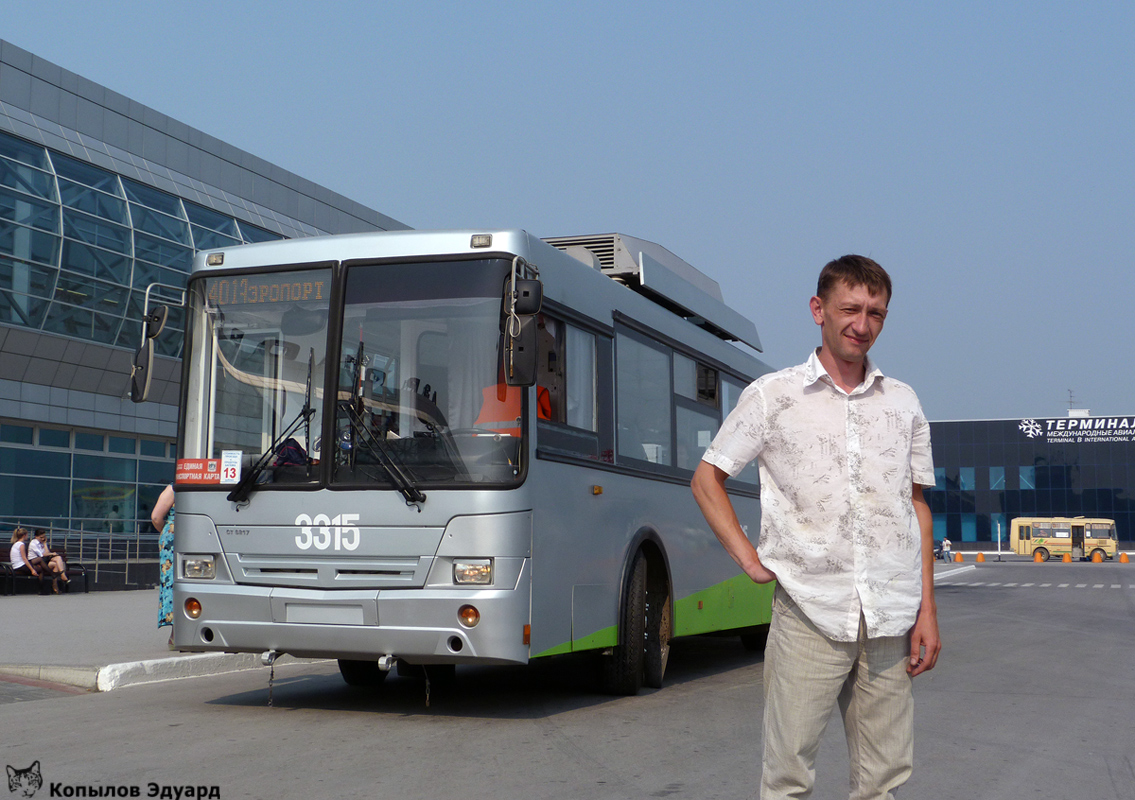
1042	553
622	670
659	629
361	673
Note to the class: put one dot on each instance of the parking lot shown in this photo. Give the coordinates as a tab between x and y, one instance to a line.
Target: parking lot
1032	698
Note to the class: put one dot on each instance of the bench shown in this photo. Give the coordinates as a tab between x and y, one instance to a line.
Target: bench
77	573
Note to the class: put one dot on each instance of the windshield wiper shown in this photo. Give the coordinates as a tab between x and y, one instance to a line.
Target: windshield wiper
248	480
377	447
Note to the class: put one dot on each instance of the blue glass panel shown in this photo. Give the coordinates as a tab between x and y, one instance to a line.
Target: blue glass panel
204	239
86	174
101	204
251	233
96	262
966	479
120	444
969	527
1028	477
163	225
105	468
152	447
88	441
23	178
35	462
997	478
213	220
129	335
103	505
29	244
21	309
51	437
81	323
939	526
163	252
30	211
27	278
106	298
155	471
152	198
93	230
34	497
17	434
940	478
22	150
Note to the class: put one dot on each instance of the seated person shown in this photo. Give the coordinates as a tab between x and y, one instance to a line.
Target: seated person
18	555
47	561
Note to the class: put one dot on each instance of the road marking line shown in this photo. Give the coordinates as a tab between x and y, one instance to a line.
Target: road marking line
1062	586
1010	584
994	584
1098	586
1116	586
1023	585
1045	585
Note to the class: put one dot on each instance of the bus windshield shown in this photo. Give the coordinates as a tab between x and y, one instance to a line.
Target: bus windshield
420	390
256	350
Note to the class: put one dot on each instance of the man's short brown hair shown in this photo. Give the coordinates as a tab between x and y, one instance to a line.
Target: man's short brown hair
854	271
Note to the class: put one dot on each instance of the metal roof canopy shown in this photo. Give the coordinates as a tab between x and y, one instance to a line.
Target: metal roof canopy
655	272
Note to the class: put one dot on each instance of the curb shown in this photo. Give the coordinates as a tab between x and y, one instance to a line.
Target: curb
135	673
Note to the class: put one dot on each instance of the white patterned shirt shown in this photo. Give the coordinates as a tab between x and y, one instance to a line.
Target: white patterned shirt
838	526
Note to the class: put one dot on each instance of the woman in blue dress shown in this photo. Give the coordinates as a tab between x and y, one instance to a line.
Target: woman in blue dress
162	517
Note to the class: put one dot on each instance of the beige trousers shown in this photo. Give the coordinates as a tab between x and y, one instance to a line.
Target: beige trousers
806	676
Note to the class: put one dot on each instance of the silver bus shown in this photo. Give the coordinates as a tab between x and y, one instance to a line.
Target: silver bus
426	449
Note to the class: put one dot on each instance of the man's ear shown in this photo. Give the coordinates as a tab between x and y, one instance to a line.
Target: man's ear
816	305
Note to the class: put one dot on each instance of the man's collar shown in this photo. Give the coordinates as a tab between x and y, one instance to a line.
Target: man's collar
814	371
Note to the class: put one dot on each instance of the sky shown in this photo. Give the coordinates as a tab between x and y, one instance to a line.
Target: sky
980	151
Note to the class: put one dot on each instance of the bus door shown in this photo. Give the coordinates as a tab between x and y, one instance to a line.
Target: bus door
1077	541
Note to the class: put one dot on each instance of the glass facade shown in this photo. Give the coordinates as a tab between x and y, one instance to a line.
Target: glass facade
50	477
79	245
990	471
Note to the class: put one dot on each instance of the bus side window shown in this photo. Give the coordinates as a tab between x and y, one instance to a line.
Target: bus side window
1026	532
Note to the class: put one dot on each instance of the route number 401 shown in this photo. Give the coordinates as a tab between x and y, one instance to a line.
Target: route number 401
336	533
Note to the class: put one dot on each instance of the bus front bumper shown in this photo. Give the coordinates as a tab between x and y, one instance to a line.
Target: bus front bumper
420	626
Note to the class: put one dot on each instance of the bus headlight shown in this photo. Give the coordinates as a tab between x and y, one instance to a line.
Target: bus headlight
473	571
198	567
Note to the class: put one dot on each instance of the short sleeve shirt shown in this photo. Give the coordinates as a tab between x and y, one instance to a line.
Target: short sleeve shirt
838	525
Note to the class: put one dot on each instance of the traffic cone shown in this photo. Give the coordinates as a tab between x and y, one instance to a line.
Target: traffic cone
1123	559
958	558
1066	558
980	558
1097	558
1037	557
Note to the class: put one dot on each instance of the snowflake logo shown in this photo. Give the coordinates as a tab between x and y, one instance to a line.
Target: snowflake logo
1030	427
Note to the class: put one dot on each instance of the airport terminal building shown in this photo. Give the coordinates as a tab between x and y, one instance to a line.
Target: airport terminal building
989	471
101	197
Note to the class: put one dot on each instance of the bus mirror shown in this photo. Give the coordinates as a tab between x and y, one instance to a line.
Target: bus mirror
140	372
529	296
520	354
154	322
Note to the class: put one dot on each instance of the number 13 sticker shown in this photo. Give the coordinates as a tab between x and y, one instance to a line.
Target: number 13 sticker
230	466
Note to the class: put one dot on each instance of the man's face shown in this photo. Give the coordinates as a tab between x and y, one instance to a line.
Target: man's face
850	320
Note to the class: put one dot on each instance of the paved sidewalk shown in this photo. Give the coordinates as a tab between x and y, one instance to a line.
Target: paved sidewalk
98	641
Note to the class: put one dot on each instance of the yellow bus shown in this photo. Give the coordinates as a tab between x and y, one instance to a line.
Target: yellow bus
1055	536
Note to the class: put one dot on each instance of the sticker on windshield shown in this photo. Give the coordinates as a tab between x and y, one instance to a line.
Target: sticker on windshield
230	466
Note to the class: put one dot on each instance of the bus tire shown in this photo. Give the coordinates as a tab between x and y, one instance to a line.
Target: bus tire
361	673
1043	553
659	630
621	672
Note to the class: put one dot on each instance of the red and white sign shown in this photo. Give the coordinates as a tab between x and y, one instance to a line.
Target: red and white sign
198	471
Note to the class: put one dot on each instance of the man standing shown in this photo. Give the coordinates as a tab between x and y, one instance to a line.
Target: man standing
843	453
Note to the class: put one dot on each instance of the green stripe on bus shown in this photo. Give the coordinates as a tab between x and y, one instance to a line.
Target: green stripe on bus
733	603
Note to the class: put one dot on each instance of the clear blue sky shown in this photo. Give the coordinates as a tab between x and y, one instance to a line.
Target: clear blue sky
980	151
